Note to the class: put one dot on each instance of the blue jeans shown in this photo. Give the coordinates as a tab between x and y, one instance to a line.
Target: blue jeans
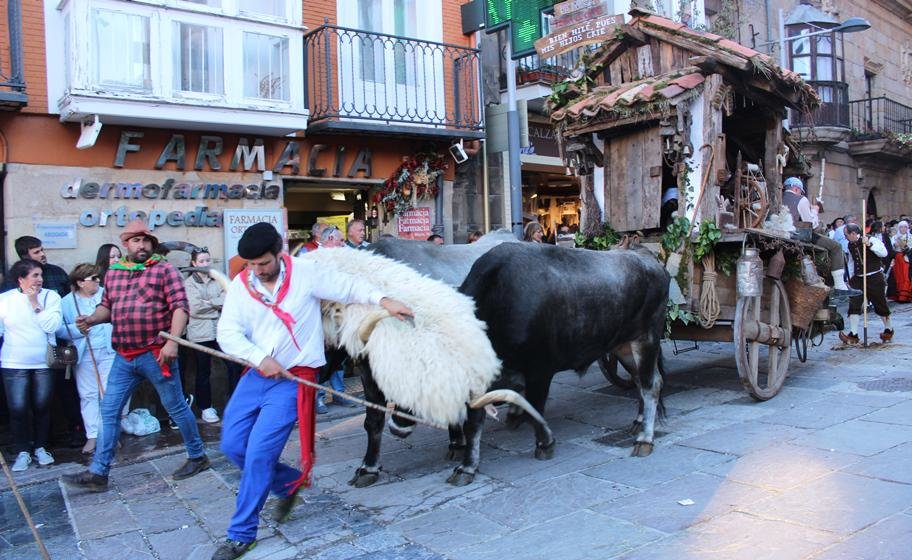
336	382
123	379
29	390
257	421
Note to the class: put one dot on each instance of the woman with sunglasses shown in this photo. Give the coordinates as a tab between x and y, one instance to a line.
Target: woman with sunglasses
206	296
82	300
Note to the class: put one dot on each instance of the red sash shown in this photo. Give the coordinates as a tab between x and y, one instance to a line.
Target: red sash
307	424
156	349
283	315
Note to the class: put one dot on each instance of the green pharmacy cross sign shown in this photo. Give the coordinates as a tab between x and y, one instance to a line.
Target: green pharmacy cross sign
524	17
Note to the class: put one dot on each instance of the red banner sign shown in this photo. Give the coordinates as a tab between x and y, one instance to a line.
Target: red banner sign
415	223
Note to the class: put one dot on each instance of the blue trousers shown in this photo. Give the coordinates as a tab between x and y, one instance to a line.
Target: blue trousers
256	424
29	390
123	379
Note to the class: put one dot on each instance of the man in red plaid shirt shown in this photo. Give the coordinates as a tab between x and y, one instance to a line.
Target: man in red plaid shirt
143	295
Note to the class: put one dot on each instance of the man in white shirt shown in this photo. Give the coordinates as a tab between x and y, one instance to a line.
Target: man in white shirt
802	211
271	317
866	268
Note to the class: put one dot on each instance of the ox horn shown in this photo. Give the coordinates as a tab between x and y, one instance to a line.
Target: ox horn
369	323
214	274
512	397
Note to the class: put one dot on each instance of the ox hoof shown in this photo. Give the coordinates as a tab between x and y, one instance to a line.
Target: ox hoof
461	478
642	449
545	452
455	453
363	478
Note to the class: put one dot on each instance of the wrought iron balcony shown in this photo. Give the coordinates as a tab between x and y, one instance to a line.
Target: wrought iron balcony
877	117
533	70
833	110
361	81
12	81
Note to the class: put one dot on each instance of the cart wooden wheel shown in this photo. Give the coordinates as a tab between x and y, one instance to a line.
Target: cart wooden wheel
609	367
801	336
763	322
754	203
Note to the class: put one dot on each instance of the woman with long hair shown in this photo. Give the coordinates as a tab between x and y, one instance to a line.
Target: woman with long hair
533	232
107	255
29	316
206	296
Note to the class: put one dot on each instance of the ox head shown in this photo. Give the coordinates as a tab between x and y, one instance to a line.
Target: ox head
433	366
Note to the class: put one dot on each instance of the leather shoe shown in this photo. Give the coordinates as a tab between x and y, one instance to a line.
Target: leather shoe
229	550
850	338
191	467
887	335
87	480
284	506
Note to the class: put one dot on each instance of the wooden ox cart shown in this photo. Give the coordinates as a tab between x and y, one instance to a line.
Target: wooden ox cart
663	106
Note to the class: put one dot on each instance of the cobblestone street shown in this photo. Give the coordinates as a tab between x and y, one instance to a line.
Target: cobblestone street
822	471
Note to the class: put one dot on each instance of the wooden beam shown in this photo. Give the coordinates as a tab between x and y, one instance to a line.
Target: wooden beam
696	46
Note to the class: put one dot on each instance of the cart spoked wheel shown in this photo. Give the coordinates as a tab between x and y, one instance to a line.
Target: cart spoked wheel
801	337
763	322
609	367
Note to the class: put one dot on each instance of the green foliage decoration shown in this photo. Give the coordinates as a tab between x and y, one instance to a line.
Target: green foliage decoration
706	240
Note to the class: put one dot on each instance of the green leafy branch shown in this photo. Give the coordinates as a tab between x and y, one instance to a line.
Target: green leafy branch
706	240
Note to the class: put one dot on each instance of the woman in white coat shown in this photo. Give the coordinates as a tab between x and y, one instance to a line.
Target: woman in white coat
29	315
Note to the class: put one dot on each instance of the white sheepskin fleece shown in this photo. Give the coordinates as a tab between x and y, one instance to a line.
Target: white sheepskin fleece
433	368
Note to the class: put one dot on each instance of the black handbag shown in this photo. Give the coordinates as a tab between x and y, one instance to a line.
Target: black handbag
63	355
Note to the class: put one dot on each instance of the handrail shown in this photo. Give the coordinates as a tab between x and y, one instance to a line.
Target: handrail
876	117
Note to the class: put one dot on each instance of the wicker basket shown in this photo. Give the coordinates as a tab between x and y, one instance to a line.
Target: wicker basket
804	301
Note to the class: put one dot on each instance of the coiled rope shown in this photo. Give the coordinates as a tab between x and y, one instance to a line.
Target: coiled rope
709	301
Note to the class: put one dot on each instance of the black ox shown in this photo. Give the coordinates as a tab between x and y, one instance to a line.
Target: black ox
548	309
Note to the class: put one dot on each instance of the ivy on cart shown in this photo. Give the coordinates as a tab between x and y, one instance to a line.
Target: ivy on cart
415	179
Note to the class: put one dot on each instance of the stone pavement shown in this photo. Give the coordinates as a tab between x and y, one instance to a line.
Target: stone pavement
821	472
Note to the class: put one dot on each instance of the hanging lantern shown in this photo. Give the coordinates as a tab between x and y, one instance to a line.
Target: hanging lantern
750	273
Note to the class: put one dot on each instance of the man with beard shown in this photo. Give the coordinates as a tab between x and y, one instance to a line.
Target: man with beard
143	295
271	318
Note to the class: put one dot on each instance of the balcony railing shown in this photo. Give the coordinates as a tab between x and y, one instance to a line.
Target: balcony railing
833	110
12	81
878	116
533	70
365	81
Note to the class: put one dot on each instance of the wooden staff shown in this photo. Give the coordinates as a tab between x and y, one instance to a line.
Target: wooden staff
291	377
25	511
864	269
91	354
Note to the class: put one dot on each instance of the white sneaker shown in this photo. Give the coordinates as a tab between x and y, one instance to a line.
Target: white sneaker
210	415
23	460
44	458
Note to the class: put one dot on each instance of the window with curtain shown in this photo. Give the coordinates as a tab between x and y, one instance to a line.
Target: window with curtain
198	58
265	66
121	43
818	58
263	7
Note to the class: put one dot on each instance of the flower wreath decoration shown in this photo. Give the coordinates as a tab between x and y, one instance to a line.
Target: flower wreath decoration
415	179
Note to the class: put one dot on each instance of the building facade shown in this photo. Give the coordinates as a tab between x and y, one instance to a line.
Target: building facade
203	115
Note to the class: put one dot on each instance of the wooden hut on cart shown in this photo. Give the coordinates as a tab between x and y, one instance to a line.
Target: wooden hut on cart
661	106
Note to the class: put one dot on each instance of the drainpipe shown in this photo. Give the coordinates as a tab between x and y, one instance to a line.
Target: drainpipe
485	188
769	26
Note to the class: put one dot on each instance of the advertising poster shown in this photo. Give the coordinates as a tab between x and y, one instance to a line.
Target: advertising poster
415	224
236	222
